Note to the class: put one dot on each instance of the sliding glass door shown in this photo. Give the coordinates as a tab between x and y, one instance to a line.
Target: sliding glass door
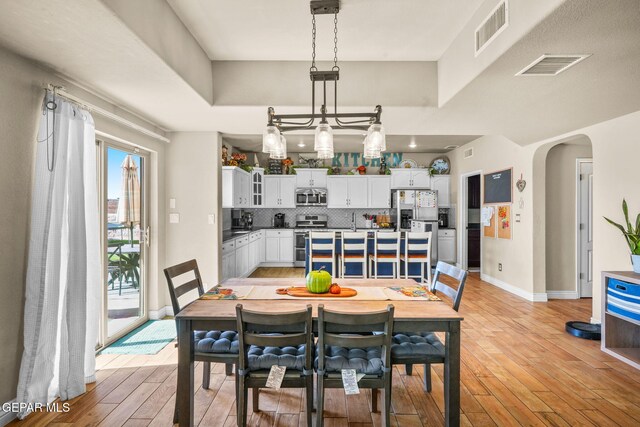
125	227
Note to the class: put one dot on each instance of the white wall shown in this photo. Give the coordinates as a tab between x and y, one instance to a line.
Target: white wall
193	180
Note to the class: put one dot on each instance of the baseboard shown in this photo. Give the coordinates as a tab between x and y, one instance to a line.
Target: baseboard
161	313
595	321
562	295
529	296
277	264
7	417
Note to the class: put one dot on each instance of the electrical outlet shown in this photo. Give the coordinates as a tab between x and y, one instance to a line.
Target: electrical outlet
499	266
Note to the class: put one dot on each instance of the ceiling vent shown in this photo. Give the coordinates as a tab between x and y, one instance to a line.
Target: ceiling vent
451	147
551	65
493	25
468	153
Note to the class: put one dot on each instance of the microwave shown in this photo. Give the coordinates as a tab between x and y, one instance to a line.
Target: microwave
311	197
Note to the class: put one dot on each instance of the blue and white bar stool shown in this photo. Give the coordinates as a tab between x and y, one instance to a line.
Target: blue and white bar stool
386	250
354	251
417	249
322	249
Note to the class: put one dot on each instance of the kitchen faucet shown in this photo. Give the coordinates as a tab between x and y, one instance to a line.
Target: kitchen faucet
353	221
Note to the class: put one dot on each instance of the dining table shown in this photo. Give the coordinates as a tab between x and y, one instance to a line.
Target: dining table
258	294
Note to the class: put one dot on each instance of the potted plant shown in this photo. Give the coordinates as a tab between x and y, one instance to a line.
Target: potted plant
631	235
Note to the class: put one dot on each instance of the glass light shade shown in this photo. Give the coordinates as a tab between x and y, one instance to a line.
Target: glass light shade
323	138
376	138
325	154
280	151
270	139
371	153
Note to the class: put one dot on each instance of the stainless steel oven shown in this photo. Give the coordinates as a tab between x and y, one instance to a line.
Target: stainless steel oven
305	224
299	238
311	197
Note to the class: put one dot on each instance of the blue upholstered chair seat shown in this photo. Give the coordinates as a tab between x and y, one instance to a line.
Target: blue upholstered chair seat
260	358
364	360
224	342
423	344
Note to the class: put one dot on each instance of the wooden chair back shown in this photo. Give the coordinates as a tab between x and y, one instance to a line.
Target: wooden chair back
387	245
274	330
417	245
455	273
175	292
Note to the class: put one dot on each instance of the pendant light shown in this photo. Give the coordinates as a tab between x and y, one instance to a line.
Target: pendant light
280	150
270	138
323	143
375	142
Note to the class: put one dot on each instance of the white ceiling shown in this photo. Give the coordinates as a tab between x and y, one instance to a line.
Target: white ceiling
368	30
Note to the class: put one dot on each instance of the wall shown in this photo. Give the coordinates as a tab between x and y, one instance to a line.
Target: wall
561	214
193	179
20	106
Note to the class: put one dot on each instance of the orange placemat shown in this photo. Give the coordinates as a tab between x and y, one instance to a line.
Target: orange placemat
300	291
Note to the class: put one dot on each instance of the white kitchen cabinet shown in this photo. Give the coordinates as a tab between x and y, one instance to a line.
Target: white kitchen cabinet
311	178
257	188
236	187
279	191
442	183
410	178
228	266
349	191
379	191
279	246
447	245
242	256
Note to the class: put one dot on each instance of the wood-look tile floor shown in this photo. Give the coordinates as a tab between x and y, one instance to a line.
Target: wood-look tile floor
519	367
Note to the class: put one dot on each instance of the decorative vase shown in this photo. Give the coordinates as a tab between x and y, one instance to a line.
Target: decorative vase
635	260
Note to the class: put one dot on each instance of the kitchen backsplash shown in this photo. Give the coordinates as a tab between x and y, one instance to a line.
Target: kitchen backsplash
338	218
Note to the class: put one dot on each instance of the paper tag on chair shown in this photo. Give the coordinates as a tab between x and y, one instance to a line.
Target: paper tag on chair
276	375
350	381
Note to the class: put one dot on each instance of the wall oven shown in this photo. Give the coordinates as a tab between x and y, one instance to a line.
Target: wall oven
311	197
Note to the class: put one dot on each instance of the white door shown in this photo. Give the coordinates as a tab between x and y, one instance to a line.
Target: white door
272	249
286	249
442	185
585	229
252	254
287	192
400	178
304	178
337	192
379	192
261	248
358	192
319	178
271	192
420	179
257	188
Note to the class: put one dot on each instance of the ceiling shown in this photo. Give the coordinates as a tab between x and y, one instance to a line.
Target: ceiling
353	143
368	30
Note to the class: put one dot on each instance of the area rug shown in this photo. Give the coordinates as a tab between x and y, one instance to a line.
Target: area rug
149	338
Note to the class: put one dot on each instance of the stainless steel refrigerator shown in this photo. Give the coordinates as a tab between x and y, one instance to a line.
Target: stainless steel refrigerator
417	210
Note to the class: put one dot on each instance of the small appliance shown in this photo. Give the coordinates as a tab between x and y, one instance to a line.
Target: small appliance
248	220
278	220
443	219
311	197
237	219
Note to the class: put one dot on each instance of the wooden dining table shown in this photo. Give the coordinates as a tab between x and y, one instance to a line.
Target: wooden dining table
409	316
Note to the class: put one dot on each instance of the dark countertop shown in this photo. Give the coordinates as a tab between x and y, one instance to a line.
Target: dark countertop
232	234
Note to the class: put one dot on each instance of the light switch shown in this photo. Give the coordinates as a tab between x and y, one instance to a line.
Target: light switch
517	217
212	219
174	218
172	203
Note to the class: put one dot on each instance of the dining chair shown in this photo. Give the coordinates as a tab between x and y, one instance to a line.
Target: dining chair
209	346
274	339
322	249
386	250
114	265
417	250
425	347
353	251
367	354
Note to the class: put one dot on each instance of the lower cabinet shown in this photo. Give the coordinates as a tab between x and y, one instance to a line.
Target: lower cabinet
228	266
279	246
242	255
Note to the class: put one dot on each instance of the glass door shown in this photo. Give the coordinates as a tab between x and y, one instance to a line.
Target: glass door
125	225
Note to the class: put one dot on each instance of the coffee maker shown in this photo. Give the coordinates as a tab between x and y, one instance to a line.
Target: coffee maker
248	220
278	220
443	219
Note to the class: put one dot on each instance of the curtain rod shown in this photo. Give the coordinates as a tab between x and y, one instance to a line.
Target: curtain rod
60	91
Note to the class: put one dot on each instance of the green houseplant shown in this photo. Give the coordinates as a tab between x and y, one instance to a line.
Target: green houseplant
631	235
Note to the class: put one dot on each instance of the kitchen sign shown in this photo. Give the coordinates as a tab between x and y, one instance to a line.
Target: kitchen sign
348	160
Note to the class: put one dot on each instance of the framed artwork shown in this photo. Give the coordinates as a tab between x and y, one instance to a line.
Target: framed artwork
504	221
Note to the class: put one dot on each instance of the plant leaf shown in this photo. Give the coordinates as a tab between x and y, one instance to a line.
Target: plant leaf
624	233
625	210
638	224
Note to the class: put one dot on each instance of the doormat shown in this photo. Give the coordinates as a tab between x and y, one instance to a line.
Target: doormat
149	338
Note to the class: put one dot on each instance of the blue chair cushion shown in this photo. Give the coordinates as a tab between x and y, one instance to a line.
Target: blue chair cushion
264	357
223	342
364	360
423	344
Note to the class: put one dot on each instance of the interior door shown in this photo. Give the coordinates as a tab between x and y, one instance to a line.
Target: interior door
585	229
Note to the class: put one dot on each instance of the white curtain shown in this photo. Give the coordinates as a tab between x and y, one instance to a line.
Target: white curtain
63	273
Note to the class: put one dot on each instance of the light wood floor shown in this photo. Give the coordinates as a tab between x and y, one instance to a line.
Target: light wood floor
519	367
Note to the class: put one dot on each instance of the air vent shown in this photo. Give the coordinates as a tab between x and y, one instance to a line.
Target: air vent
468	153
551	65
493	25
451	147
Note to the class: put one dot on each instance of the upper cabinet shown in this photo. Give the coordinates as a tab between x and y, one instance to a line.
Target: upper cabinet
236	187
279	191
311	178
379	190
347	191
257	188
410	178
442	184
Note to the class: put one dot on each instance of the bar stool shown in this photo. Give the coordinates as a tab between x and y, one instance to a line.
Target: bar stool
354	251
322	248
417	249
386	250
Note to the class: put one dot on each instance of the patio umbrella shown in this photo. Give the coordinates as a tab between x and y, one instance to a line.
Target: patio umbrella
129	203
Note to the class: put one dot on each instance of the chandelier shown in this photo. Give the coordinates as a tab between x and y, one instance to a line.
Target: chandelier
273	141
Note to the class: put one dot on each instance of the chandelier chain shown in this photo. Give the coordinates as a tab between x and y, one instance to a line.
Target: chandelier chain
313	42
335	42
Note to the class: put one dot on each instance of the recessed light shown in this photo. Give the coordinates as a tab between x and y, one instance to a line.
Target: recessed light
300	144
412	144
451	147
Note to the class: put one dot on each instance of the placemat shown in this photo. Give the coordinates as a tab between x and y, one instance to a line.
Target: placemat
228	292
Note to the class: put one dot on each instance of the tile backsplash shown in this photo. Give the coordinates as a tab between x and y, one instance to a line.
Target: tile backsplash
338	218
